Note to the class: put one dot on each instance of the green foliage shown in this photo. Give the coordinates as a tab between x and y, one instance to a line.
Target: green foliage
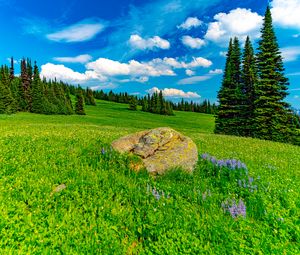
252	98
29	93
106	208
79	106
271	112
89	97
133	104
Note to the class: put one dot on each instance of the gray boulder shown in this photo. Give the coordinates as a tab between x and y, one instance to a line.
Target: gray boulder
160	149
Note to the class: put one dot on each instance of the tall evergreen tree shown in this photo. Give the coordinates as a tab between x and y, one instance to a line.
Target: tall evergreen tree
226	110
271	112
24	90
12	69
249	80
38	103
79	106
132	103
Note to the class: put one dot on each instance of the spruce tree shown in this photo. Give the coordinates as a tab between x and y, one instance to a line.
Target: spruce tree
79	106
12	69
225	112
132	104
7	102
37	93
271	112
249	80
24	90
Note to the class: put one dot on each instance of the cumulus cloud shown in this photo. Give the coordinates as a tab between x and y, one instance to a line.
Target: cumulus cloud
190	23
286	13
189	72
79	32
138	42
194	43
290	54
78	59
63	73
216	71
134	68
238	22
194	79
104	69
177	64
154	68
175	93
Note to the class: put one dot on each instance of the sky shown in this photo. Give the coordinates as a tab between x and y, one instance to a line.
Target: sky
141	46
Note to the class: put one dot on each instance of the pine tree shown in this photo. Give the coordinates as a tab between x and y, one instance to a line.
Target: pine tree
12	69
249	80
7	102
132	104
271	112
24	90
79	106
37	93
225	113
9	105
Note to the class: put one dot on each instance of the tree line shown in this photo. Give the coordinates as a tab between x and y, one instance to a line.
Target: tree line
204	107
29	93
251	97
156	103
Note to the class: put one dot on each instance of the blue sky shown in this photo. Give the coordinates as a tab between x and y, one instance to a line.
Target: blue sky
140	46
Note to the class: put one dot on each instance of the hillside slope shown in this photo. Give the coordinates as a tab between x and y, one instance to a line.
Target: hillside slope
107	208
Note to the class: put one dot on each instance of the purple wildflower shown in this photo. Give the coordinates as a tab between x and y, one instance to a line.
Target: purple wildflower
234	209
103	151
213	160
156	194
241	208
205	156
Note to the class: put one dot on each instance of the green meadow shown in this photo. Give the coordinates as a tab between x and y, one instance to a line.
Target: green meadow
108	208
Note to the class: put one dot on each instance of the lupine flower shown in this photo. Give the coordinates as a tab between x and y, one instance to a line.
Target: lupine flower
156	193
103	151
205	156
234	209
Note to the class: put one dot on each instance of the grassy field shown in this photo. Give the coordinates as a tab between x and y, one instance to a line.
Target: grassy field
106	208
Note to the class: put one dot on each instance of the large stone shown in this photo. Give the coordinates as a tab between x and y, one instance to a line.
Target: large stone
160	149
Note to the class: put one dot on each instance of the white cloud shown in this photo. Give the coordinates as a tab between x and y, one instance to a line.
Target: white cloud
203	62
194	79
189	72
190	23
194	43
148	44
286	13
78	59
107	67
79	32
216	71
238	22
290	54
106	86
60	72
175	93
104	69
175	63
